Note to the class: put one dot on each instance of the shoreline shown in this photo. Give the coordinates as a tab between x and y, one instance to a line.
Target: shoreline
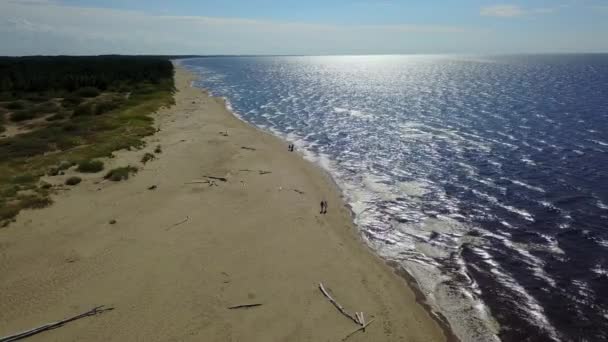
175	282
410	280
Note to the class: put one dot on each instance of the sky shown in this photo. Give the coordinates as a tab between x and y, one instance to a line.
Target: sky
302	27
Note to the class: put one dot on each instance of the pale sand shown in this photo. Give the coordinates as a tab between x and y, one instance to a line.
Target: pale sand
252	239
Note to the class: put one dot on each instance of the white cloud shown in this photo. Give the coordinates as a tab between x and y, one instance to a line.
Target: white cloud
510	11
502	11
35	26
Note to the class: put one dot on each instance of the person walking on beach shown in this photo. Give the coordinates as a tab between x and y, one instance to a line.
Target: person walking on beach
323	207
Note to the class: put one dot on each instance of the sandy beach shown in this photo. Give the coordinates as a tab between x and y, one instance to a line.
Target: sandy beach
180	254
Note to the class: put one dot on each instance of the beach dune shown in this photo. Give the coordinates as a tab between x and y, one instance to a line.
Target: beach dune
179	255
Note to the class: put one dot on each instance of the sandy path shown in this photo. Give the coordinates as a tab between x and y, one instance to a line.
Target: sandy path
251	239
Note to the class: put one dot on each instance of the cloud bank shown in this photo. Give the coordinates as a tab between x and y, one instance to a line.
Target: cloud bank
46	27
29	27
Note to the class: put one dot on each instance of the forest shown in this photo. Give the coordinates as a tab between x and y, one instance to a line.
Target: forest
67	73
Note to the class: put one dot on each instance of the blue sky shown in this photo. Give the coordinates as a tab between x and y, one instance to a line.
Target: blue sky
302	27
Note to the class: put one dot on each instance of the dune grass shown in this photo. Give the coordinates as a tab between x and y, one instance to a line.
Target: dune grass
27	157
90	166
120	173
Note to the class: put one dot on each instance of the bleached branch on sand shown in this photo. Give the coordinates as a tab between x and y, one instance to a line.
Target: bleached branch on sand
210	182
337	305
177	224
95	311
358	329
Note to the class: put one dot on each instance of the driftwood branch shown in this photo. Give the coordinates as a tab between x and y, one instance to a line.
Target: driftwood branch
177	224
222	179
337	305
244	306
210	182
49	326
358	329
248	148
264	172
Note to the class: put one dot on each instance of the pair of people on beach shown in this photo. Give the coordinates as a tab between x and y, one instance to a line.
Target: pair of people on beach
290	147
323	207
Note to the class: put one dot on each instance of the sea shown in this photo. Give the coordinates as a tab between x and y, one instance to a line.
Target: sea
485	178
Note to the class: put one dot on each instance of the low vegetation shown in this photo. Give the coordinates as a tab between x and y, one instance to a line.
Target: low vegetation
90	166
147	157
120	173
75	180
72	110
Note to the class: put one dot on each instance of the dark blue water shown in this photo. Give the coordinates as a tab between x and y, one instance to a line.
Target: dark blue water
486	178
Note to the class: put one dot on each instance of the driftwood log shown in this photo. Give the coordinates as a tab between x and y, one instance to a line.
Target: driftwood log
95	311
177	224
358	329
337	305
244	306
221	179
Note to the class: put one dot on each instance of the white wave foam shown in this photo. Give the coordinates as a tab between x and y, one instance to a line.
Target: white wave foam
603	243
354	113
528	161
521	212
526	185
600	269
414	188
533	308
601	205
599	142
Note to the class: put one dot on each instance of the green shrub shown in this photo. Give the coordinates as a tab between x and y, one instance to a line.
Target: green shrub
88	92
71	100
56	117
34	202
37	98
7	96
147	157
64	165
22	179
15	105
84	109
106	106
90	166
158	149
23	115
47	107
70	127
73	181
121	173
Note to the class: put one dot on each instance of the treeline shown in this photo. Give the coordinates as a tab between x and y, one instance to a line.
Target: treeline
63	73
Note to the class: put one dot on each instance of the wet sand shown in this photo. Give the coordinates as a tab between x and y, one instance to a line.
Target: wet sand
179	255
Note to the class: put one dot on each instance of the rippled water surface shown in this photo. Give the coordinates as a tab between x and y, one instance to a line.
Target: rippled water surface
486	178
